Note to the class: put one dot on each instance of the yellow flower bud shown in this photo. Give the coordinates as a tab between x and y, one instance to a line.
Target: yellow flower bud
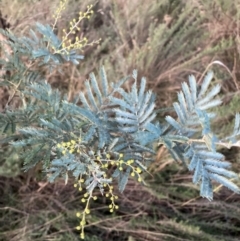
82	223
139	170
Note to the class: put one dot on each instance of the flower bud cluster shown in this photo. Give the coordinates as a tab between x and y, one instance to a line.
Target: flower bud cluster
136	170
68	43
104	161
69	147
86	199
79	184
112	197
57	14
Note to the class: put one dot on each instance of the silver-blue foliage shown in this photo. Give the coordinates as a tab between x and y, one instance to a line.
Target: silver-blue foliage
108	120
199	149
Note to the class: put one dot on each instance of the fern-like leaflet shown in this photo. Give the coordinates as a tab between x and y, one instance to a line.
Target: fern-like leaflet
199	147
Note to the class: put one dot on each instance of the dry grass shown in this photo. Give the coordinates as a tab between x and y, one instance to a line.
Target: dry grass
168	209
